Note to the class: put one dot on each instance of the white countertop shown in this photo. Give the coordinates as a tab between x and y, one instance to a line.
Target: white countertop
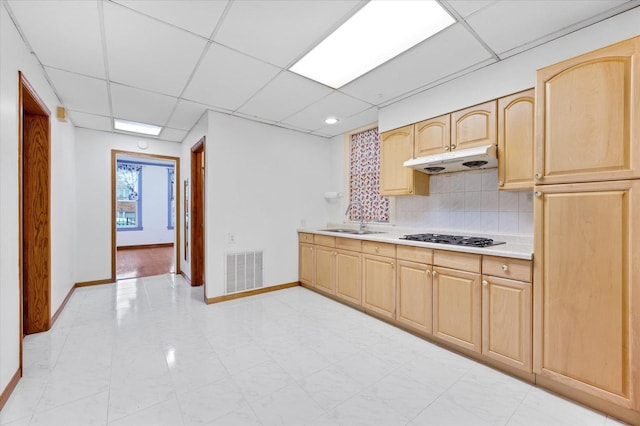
515	247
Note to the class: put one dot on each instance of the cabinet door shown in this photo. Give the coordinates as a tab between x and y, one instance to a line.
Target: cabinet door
349	276
325	268
379	280
586	286
305	264
414	298
432	136
456	307
588	122
396	147
515	140
506	321
474	126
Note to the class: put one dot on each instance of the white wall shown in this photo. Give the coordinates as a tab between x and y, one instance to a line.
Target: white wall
14	57
262	182
508	76
155	213
93	195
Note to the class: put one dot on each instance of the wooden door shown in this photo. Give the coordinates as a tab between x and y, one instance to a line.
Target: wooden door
349	276
34	143
305	262
474	126
456	307
325	269
379	281
588	123
414	298
506	321
586	287
197	213
432	136
396	147
515	140
36	249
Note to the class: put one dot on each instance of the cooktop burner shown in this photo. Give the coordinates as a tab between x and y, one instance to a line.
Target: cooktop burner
457	240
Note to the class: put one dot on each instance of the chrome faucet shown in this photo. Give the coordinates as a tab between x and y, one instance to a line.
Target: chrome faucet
361	207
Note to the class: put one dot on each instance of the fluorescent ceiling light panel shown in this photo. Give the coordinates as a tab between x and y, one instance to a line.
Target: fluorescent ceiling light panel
134	127
379	31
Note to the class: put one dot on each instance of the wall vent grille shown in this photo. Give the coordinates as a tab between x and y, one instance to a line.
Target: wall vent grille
243	271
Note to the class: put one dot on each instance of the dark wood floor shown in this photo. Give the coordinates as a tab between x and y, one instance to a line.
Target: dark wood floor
144	262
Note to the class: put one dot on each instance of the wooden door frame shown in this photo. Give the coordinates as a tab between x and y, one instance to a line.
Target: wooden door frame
197	215
114	167
29	102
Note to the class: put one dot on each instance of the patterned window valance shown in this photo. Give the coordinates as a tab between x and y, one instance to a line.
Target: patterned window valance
128	174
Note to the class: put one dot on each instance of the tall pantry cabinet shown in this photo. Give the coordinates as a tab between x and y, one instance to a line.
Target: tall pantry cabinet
587	228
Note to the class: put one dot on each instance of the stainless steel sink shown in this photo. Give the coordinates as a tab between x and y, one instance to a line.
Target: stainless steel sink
352	231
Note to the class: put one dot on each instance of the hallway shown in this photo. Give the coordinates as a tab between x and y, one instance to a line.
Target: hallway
150	352
144	262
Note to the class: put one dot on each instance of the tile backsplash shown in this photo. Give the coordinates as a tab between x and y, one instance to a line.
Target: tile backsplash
470	202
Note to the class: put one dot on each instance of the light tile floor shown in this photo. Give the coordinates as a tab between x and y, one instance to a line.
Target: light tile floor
150	352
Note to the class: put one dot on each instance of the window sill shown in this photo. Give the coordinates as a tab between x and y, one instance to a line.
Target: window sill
136	228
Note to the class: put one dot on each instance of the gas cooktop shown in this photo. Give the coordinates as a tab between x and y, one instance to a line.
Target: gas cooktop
457	240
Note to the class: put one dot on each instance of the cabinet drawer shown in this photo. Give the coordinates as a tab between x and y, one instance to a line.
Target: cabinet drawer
454	260
303	237
324	240
381	249
349	244
414	254
515	269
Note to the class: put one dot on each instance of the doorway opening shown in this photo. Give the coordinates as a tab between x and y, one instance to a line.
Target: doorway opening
197	221
145	208
34	150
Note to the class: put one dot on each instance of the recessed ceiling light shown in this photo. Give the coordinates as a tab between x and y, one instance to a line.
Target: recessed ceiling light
378	32
134	127
331	120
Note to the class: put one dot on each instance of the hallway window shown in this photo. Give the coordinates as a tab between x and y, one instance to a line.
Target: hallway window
128	197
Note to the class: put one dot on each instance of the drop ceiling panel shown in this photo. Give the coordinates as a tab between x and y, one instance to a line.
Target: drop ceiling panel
284	95
65	34
336	104
79	92
91	121
506	25
356	121
467	7
145	53
197	16
446	53
187	113
173	135
281	31
138	105
227	79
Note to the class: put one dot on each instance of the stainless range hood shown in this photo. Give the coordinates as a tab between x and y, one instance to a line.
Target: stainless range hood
481	157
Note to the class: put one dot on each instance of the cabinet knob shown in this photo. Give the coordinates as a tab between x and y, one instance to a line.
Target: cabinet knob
446	148
392	264
485	283
453	146
428	272
538	194
537	176
505	267
376	248
500	183
435	274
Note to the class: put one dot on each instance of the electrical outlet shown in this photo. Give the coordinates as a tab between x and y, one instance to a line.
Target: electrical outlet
231	238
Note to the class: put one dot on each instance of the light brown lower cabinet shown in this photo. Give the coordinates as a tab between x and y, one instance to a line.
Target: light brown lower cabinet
506	321
414	298
325	269
456	307
305	264
379	281
349	276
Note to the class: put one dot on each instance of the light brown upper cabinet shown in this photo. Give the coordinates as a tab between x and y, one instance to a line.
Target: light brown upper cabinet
474	126
588	118
432	136
515	140
396	147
